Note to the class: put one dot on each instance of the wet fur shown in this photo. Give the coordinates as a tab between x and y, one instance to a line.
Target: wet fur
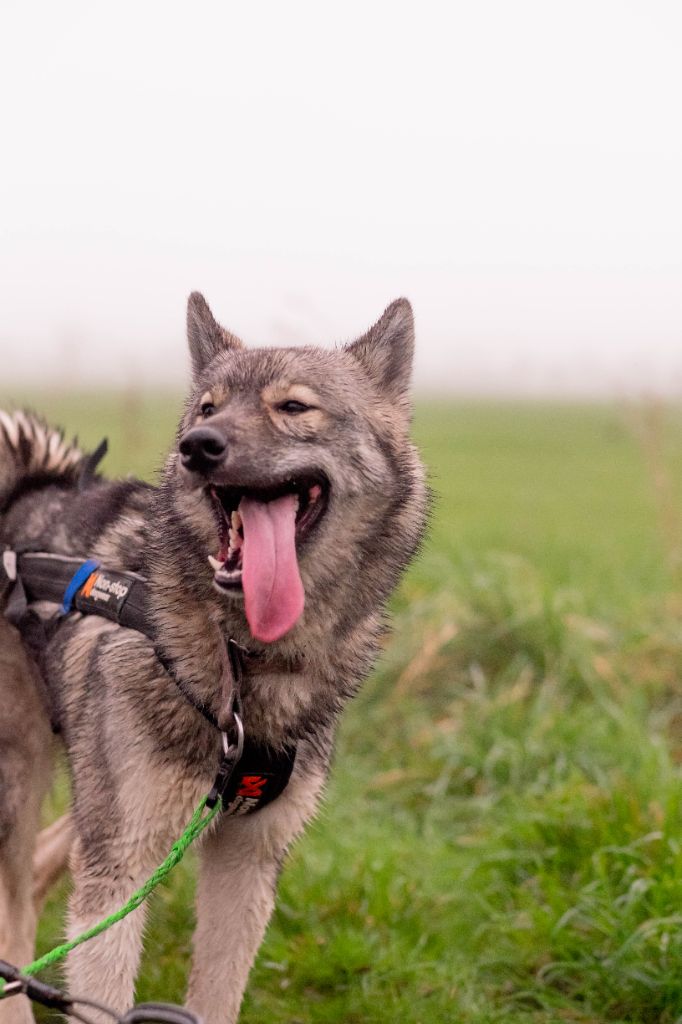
140	756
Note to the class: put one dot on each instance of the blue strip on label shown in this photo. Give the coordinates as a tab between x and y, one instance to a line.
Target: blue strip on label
77	580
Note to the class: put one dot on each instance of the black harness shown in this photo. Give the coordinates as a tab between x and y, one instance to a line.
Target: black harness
250	775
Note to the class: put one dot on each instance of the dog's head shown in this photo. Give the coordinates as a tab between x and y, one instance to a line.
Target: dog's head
290	460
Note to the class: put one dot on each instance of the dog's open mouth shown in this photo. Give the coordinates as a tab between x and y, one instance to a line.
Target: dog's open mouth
259	531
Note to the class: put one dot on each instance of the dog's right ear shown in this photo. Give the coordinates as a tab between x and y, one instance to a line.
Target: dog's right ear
205	335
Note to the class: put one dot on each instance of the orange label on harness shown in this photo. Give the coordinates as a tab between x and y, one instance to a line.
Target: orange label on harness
89	584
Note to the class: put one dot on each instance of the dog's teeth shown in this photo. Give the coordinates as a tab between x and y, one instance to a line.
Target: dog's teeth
215	563
314	492
236	520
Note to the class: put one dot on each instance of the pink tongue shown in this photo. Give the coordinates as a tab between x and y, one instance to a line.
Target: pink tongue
273	592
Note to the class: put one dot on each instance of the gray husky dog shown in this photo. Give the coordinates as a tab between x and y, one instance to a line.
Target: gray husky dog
288	508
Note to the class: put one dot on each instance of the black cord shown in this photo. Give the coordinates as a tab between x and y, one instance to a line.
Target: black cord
71	1012
82	1001
48	995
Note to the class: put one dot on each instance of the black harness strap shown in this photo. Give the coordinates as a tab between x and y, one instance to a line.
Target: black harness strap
248	778
120	597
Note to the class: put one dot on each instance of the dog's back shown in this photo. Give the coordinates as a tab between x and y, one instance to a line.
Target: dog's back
52	500
32	453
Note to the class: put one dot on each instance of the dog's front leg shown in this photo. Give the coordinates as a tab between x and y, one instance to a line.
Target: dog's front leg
239	866
104	968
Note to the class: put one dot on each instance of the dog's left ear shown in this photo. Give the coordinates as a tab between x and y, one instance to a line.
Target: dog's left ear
205	335
386	352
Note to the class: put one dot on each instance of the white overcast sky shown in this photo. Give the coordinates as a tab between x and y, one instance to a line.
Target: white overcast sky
514	168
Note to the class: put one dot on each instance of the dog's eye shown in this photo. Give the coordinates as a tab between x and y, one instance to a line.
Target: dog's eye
293	408
207	409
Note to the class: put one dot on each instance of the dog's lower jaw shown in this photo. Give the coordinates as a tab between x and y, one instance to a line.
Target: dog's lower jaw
235	594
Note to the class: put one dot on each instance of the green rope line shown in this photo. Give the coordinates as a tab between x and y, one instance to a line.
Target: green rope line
195	827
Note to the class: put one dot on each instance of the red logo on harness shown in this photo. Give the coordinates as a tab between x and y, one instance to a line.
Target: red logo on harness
252	786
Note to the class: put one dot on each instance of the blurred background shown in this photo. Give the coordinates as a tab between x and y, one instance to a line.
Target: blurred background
501	836
514	169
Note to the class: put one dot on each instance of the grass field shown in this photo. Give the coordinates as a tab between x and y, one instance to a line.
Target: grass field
502	838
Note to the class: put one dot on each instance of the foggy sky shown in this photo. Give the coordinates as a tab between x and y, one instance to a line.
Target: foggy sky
514	169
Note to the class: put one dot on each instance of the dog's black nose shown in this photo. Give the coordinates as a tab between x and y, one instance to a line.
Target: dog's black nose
202	448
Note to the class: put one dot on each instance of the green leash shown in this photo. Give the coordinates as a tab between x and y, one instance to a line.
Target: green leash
177	851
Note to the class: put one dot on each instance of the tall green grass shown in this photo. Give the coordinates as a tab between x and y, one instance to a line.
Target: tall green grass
501	840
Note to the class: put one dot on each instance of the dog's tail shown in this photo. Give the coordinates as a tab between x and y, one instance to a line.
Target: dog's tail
31	451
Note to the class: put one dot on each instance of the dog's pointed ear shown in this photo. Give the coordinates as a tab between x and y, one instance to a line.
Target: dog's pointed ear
205	335
386	352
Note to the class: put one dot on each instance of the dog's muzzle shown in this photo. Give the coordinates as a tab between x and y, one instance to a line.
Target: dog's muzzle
202	449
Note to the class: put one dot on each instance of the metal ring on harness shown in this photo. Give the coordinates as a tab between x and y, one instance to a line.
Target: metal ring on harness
240	737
